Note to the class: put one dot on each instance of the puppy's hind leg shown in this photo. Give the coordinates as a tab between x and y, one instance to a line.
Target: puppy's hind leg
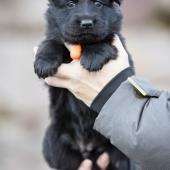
58	153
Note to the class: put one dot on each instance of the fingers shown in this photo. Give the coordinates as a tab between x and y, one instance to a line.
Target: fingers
35	51
57	82
65	70
70	71
117	42
86	165
103	161
120	47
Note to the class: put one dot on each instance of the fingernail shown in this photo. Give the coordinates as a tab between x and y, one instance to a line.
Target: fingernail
103	160
87	164
47	80
35	50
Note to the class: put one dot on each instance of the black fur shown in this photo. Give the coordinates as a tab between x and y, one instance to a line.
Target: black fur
70	137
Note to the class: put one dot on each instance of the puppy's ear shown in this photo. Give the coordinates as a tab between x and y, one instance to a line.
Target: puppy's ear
118	1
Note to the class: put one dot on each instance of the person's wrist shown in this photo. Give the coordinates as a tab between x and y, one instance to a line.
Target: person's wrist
110	88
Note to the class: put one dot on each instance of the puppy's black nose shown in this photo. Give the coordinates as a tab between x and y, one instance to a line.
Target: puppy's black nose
86	24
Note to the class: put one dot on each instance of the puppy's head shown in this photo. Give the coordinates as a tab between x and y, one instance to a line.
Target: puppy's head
86	21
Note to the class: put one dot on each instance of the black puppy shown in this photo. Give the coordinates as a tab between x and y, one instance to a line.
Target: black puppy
70	137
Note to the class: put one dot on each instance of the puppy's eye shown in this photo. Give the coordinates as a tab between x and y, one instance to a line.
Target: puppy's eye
71	4
98	4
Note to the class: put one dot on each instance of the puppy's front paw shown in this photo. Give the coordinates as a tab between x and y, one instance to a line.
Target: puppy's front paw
45	68
94	57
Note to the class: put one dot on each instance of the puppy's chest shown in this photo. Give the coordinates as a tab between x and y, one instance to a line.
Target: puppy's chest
81	137
84	148
78	139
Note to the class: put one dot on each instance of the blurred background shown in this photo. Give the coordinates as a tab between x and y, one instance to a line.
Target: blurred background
24	99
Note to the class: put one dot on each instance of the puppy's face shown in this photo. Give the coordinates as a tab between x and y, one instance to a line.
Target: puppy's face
86	21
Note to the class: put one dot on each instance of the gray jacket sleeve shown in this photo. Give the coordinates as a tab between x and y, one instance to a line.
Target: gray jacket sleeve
136	119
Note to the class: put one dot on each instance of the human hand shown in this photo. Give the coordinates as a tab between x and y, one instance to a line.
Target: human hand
87	85
102	162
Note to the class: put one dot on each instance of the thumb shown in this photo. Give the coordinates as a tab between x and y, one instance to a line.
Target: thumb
103	161
35	49
121	49
86	165
69	70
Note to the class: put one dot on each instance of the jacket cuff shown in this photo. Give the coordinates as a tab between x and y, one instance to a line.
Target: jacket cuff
110	88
